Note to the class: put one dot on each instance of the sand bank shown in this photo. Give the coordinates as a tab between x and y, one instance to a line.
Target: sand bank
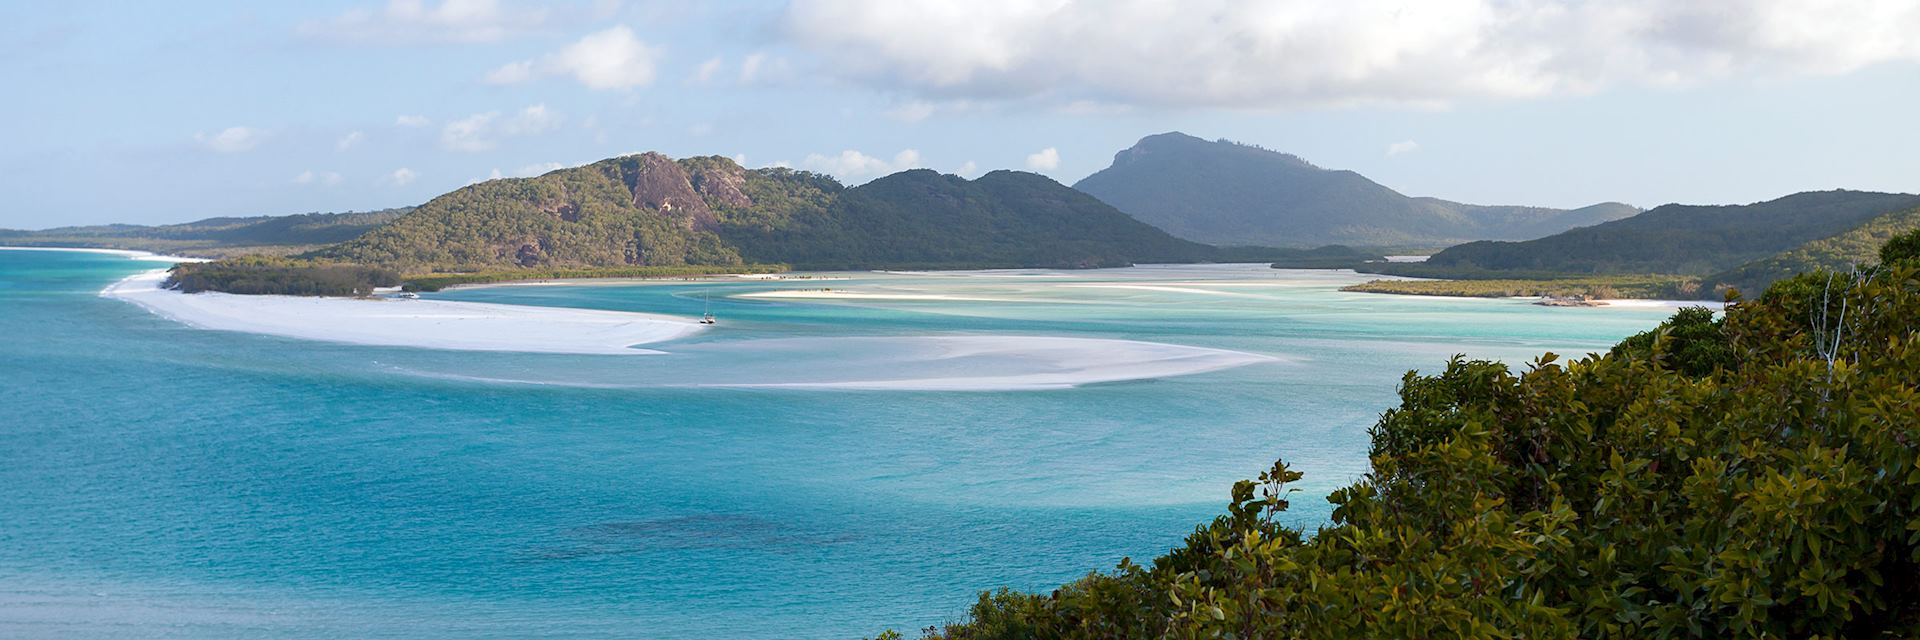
1006	363
132	254
892	363
428	324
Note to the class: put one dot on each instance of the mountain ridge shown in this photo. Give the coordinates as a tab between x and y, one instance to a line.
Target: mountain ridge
1224	191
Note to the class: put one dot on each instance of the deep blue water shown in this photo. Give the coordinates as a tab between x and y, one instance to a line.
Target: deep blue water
163	481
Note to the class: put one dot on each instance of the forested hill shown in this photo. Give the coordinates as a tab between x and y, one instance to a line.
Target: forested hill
651	210
213	236
1840	252
1678	239
1225	192
1009	218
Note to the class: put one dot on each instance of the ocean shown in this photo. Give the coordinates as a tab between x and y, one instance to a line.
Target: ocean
809	468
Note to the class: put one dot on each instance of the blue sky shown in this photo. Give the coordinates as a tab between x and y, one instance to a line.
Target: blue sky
165	112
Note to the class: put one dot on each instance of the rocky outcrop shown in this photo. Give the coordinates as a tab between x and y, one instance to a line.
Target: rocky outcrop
720	183
658	183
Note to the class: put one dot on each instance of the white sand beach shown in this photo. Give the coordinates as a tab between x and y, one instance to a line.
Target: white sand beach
429	324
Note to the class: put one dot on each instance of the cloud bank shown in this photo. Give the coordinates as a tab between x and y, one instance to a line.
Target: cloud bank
1280	54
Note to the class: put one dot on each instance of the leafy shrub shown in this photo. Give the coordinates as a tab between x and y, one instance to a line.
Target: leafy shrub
1754	476
259	275
1901	248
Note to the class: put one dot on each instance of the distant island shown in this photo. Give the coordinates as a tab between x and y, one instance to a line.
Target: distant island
648	215
1227	192
1673	251
214	237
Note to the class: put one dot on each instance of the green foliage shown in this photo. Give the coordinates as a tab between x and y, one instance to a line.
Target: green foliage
922	219
215	237
1692	342
572	218
1230	193
1857	246
1756	476
1903	247
1593	287
1676	239
260	275
649	211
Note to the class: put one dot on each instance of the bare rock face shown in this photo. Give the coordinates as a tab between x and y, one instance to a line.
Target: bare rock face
567	211
721	185
526	252
658	183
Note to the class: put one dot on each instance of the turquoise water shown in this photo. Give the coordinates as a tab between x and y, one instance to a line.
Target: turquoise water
162	481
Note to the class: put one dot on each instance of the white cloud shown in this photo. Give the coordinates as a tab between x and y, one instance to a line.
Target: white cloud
510	73
412	121
349	141
535	169
610	59
483	131
700	129
1294	53
470	133
740	159
418	21
1402	148
750	67
527	171
759	68
1046	159
912	112
402	177
852	164
533	120
708	71
231	139
967	170
327	178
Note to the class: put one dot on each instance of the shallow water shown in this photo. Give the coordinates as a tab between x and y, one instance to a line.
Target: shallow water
164	481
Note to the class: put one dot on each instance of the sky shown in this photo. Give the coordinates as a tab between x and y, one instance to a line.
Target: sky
166	112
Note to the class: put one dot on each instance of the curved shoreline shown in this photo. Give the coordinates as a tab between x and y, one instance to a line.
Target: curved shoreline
427	324
919	363
131	254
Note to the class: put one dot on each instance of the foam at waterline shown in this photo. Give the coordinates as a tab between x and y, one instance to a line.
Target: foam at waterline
428	324
129	253
908	363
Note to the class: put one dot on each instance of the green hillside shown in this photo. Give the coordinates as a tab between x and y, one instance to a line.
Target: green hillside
650	210
1671	239
214	236
924	219
1856	246
1229	193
